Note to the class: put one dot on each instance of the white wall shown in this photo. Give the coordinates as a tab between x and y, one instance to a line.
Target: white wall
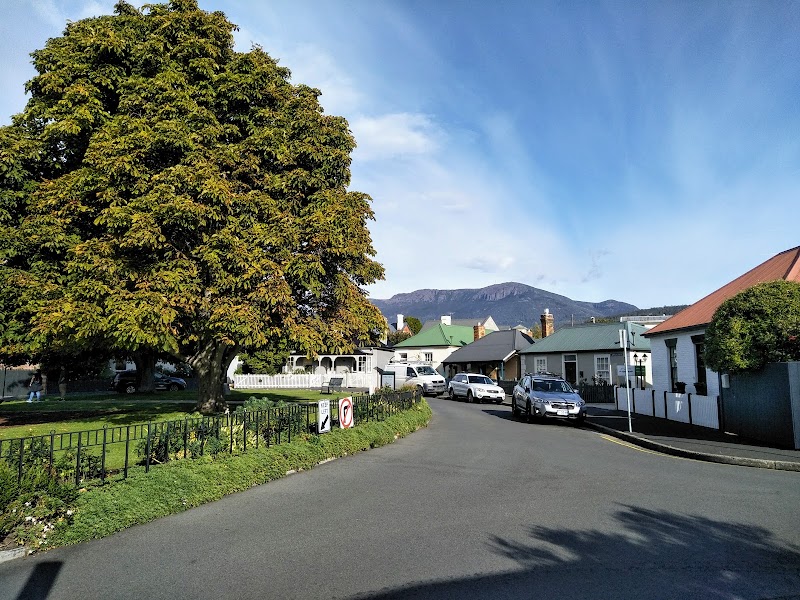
418	354
687	363
652	403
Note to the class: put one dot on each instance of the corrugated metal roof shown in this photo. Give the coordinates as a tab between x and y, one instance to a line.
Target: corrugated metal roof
493	346
441	335
785	265
456	322
604	336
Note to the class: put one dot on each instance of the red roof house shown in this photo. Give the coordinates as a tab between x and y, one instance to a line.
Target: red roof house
677	343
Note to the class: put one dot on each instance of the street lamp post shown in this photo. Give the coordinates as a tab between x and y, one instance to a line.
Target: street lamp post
640	369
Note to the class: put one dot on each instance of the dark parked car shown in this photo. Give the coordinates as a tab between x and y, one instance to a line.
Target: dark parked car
128	382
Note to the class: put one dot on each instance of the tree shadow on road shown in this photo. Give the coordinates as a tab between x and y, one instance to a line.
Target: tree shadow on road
648	555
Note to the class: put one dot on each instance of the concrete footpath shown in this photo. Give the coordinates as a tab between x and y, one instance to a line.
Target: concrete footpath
690	441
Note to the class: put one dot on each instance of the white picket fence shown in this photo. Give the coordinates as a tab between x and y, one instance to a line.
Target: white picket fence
675	407
302	381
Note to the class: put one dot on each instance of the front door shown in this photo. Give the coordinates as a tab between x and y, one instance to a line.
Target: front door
571	368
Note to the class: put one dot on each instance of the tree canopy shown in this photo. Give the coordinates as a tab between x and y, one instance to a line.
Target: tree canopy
414	324
163	193
757	326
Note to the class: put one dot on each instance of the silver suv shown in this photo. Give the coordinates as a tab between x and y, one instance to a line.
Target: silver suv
538	396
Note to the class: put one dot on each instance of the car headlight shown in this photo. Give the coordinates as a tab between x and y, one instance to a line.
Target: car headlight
542	400
480	389
579	403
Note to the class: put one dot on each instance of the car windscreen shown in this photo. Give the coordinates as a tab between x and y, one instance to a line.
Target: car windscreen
426	371
552	387
480	379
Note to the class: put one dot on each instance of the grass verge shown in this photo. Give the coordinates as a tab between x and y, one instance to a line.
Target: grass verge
178	486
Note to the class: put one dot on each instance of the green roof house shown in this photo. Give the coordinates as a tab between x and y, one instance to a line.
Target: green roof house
435	344
591	353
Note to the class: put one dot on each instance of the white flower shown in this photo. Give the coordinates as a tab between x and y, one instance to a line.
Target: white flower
69	513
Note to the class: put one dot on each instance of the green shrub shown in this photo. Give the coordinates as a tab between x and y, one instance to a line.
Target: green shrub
41	503
9	488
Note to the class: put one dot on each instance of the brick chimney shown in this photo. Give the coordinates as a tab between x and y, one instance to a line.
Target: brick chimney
547	323
478	331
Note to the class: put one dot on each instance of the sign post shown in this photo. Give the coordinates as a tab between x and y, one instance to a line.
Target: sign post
346	412
324	416
623	343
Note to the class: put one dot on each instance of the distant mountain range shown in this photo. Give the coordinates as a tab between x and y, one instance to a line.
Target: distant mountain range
509	304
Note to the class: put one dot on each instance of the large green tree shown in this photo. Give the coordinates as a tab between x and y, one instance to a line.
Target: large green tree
757	326
414	324
164	194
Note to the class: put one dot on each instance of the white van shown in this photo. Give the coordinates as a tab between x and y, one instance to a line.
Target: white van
421	375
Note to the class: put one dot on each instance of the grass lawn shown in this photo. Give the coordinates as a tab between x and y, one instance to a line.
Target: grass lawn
80	412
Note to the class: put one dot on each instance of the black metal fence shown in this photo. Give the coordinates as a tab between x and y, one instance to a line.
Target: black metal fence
596	394
113	451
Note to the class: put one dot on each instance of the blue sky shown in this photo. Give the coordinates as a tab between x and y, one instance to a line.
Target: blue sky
643	151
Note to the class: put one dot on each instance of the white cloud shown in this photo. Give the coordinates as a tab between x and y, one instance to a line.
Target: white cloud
394	135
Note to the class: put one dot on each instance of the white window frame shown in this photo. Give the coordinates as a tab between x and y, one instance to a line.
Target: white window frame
540	364
598	371
427	356
361	364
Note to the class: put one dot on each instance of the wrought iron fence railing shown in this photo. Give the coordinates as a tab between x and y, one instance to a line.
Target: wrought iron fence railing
100	453
596	393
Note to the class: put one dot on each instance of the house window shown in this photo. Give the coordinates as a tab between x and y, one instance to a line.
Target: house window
403	356
428	357
672	349
540	364
362	364
602	369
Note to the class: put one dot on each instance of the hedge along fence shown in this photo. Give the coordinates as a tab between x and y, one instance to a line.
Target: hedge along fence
97	454
180	485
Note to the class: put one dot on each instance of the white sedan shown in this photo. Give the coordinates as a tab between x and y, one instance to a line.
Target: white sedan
475	388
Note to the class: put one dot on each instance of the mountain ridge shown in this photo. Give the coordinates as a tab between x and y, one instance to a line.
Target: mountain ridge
509	304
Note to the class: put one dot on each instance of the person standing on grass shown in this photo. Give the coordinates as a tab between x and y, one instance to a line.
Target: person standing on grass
62	383
35	386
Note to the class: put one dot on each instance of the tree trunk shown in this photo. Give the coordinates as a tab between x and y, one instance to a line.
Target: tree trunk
211	365
145	361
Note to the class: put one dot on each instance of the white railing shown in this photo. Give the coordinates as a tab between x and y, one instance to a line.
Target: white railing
686	408
301	381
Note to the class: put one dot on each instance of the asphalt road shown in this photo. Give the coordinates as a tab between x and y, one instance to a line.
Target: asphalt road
475	506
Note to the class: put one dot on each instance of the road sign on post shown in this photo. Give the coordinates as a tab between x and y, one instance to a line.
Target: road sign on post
324	416
346	412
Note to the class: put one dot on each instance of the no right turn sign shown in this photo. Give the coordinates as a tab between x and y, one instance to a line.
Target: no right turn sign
346	412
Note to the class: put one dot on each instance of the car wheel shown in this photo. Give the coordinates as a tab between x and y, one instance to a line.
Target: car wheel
528	413
420	391
469	396
514	409
130	388
499	401
173	387
451	393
